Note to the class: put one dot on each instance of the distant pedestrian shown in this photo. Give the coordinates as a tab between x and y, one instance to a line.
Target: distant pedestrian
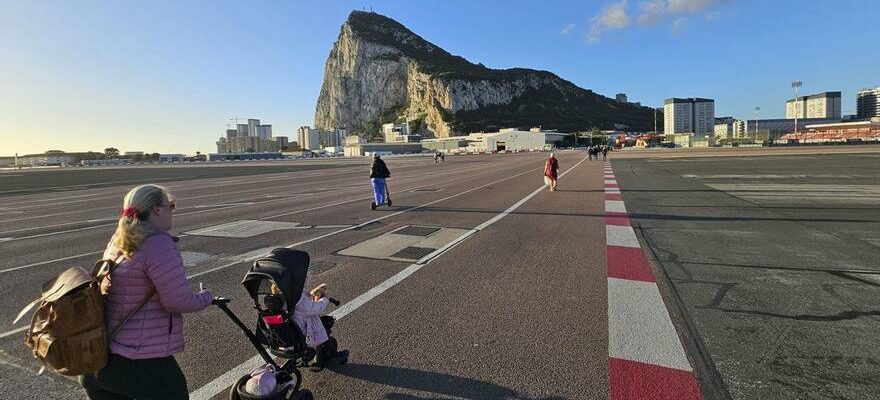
551	172
605	149
149	292
378	173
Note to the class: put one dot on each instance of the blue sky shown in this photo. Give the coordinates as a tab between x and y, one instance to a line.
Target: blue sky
166	76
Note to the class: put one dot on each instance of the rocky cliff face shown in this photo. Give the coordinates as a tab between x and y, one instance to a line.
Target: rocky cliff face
378	71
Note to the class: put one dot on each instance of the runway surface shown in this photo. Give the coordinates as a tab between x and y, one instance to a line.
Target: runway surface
517	295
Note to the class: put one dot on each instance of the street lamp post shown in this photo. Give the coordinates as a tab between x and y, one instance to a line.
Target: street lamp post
796	85
756	122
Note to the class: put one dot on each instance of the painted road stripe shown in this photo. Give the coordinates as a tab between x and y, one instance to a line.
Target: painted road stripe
639	327
621	219
615	206
623	236
611	182
223	382
646	359
632	380
628	263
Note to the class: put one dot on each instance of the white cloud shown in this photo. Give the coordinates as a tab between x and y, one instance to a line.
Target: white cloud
689	6
567	28
652	11
678	23
613	17
712	15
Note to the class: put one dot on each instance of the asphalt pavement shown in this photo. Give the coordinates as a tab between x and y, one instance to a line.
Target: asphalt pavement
514	309
766	262
772	261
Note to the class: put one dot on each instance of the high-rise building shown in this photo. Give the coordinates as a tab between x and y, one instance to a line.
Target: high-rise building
242	129
231	133
308	138
868	103
693	115
252	126
822	105
264	131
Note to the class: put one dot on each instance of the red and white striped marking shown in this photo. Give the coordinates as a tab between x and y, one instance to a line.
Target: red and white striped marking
645	356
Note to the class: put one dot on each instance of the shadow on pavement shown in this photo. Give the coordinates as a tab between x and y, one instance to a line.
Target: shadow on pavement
437	383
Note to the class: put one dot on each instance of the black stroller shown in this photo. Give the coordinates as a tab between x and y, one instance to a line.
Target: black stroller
275	283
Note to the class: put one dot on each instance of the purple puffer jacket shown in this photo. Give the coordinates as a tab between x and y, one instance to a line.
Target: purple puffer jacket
156	330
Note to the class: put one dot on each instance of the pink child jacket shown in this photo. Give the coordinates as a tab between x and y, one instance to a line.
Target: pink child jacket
156	330
307	315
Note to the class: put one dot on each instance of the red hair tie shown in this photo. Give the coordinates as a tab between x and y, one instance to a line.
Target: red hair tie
130	212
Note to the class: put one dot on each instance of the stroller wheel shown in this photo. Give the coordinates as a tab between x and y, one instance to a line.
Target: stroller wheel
389	202
233	390
373	206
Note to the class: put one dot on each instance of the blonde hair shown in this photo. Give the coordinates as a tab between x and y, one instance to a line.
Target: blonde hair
134	229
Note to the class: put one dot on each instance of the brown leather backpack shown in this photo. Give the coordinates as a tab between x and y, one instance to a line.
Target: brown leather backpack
68	332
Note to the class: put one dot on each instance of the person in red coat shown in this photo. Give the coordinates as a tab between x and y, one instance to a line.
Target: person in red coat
551	172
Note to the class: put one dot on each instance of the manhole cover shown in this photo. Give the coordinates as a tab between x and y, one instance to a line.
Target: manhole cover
413	253
417	230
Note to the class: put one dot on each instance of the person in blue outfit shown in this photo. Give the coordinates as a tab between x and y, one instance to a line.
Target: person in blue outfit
378	173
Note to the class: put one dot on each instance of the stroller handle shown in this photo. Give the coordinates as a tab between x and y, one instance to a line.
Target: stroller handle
334	301
220	300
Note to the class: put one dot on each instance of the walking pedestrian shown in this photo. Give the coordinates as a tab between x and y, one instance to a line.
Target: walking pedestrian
605	149
378	173
551	172
150	280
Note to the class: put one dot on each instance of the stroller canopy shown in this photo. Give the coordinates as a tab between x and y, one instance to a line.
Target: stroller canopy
287	268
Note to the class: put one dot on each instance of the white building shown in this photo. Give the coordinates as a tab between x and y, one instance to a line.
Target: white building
868	103
308	138
399	133
822	105
693	115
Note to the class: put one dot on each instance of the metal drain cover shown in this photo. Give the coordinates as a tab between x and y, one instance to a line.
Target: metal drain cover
417	230
413	253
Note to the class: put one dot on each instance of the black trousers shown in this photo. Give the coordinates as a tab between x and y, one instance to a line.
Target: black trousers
124	379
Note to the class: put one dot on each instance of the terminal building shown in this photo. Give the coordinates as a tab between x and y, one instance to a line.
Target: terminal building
839	132
508	139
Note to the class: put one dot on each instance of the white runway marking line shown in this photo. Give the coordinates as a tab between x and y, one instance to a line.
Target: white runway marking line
222	382
49	262
615	206
621	235
639	326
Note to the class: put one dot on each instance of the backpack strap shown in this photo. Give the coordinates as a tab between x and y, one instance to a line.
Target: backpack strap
132	313
99	272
